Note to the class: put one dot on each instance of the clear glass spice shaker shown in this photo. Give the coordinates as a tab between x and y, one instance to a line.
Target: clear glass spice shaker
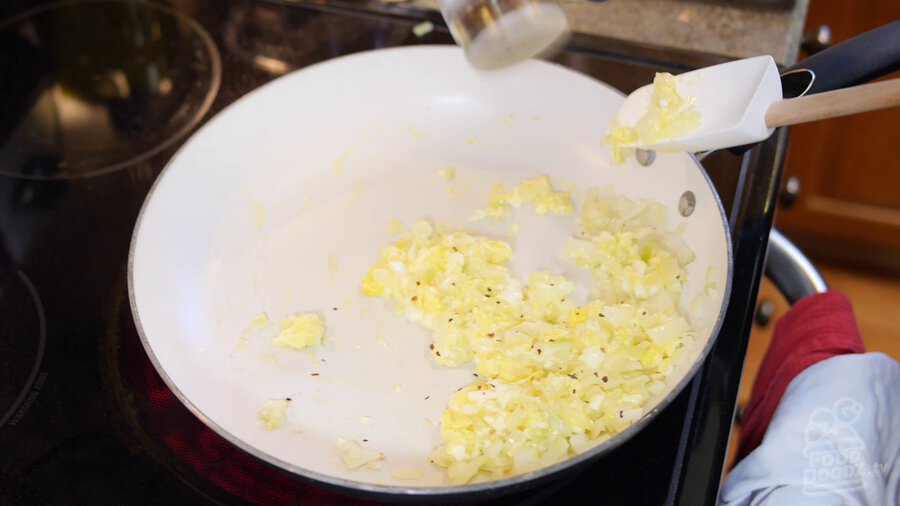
499	33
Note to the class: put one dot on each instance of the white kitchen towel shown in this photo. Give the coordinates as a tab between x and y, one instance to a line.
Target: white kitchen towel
834	439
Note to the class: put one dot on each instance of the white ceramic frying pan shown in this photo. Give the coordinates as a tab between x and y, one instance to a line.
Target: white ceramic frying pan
281	203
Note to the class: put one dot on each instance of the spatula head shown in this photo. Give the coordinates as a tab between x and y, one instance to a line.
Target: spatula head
731	100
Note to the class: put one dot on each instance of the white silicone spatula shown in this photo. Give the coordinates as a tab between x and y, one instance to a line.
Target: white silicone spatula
741	103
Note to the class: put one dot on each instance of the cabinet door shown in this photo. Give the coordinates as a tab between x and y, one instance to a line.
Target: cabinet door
848	169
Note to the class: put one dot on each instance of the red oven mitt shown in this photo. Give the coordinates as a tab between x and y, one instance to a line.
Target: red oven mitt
816	328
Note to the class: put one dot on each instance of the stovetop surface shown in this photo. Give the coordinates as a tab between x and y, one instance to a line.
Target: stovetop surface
97	96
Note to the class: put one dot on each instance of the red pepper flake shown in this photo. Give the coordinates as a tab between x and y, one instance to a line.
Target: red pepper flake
605	379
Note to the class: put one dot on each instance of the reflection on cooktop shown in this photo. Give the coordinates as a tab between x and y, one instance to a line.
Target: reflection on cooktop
99	85
277	40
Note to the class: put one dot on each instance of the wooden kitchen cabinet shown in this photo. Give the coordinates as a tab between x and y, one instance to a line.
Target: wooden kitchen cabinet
848	206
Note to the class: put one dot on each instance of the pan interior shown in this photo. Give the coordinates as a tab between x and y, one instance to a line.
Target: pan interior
281	203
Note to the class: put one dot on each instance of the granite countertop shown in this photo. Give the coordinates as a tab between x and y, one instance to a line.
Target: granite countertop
734	29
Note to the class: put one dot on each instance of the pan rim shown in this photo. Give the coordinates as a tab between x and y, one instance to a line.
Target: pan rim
449	492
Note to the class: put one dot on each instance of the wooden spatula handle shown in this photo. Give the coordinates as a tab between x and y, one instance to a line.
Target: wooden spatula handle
831	104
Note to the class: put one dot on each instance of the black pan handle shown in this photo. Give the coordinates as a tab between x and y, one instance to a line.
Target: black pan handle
855	61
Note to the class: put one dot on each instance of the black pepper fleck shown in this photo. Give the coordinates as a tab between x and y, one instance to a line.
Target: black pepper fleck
605	379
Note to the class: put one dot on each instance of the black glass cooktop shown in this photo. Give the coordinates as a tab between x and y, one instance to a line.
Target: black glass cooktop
95	97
